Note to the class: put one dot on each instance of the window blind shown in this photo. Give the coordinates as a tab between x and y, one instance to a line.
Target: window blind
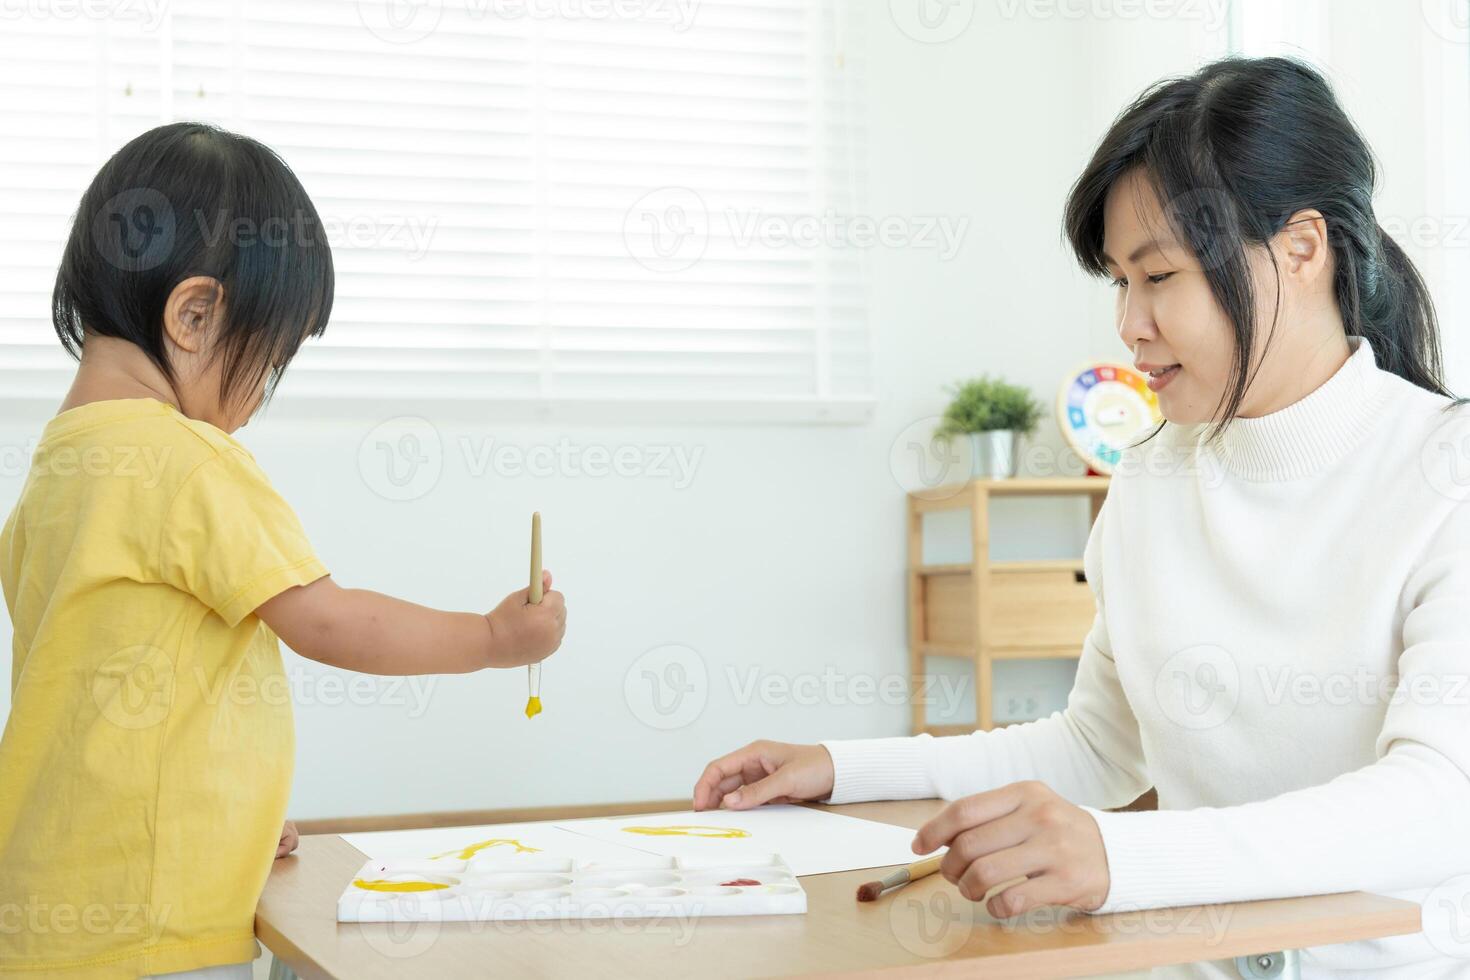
559	201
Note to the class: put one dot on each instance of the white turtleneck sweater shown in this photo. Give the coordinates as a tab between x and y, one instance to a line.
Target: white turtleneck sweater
1281	648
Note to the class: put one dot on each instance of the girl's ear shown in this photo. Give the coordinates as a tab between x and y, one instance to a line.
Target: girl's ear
190	313
1304	245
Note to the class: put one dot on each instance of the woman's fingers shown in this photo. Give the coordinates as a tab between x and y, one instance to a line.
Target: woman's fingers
962	814
727	772
762	791
1021	897
999	868
971	845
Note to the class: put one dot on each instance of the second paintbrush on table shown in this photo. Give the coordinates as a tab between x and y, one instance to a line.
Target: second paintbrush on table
869	891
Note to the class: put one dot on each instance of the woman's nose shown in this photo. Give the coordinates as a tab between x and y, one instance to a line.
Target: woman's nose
1135	320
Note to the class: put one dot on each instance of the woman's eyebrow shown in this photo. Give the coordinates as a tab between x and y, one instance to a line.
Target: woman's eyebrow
1152	245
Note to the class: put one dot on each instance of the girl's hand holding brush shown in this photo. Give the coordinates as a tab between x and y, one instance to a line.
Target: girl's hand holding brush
522	633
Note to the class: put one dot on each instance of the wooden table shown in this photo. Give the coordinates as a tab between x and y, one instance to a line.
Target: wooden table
926	930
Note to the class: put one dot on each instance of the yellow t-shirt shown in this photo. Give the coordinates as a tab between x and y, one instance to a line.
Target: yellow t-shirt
146	762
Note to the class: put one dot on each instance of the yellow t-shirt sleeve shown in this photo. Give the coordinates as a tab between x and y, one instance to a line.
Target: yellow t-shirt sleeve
230	540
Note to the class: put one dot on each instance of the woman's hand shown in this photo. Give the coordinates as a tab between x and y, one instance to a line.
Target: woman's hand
1021	830
765	772
289	840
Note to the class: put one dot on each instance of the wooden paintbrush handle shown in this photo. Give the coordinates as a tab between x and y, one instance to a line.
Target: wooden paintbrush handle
924	868
536	558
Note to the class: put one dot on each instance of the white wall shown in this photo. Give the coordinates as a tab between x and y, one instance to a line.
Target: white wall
784	554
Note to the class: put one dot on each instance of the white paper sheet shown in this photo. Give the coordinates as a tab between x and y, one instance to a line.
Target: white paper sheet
810	841
532	840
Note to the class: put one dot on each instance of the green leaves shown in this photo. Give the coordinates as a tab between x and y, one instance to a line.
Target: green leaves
985	404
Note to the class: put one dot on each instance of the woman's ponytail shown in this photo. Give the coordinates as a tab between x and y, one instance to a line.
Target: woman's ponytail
1383	297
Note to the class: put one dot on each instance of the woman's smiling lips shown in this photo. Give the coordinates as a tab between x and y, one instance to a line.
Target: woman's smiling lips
1159	375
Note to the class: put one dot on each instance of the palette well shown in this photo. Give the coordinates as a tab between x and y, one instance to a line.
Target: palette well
547	887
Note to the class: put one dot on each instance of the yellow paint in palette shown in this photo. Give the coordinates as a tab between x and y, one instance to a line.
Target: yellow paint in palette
382	885
687	830
465	853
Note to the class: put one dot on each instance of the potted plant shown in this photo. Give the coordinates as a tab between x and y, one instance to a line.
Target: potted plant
994	415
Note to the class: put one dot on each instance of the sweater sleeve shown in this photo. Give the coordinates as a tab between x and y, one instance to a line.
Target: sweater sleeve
1089	753
1395	824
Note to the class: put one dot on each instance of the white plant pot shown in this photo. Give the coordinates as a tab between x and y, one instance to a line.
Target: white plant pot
994	455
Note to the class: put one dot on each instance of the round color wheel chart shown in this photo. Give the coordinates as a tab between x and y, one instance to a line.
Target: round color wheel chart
1104	408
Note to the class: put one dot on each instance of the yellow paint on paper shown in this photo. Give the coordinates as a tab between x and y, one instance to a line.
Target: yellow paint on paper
687	830
533	707
381	885
465	853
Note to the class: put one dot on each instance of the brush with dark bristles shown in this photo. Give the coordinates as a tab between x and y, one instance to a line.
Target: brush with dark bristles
869	891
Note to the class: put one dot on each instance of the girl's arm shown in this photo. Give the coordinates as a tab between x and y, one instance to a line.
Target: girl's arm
377	634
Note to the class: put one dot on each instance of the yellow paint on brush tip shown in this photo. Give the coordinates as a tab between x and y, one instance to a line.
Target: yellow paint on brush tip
687	830
533	707
382	885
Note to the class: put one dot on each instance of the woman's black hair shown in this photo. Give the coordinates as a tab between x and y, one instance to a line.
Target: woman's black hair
1233	151
186	200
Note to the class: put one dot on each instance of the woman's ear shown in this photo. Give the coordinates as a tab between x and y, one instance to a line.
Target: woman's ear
190	313
1303	243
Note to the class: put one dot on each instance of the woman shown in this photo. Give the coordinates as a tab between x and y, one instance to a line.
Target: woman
1281	571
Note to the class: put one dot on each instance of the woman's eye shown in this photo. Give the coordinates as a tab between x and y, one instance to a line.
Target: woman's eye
1159	278
1119	283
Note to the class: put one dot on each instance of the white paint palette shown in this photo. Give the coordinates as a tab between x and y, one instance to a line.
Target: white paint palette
542	886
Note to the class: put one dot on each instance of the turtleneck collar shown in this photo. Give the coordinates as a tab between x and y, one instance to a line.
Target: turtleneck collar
1312	432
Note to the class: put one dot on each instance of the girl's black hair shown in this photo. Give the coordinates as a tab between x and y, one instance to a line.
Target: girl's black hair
1233	151
186	200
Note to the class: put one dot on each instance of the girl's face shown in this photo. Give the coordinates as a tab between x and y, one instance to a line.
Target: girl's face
1166	314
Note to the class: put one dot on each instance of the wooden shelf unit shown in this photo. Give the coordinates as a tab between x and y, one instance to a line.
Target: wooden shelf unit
986	610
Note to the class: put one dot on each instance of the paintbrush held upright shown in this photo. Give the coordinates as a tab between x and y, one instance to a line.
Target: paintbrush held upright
533	675
870	890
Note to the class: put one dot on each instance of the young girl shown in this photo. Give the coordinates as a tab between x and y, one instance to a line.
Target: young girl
149	568
1281	573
